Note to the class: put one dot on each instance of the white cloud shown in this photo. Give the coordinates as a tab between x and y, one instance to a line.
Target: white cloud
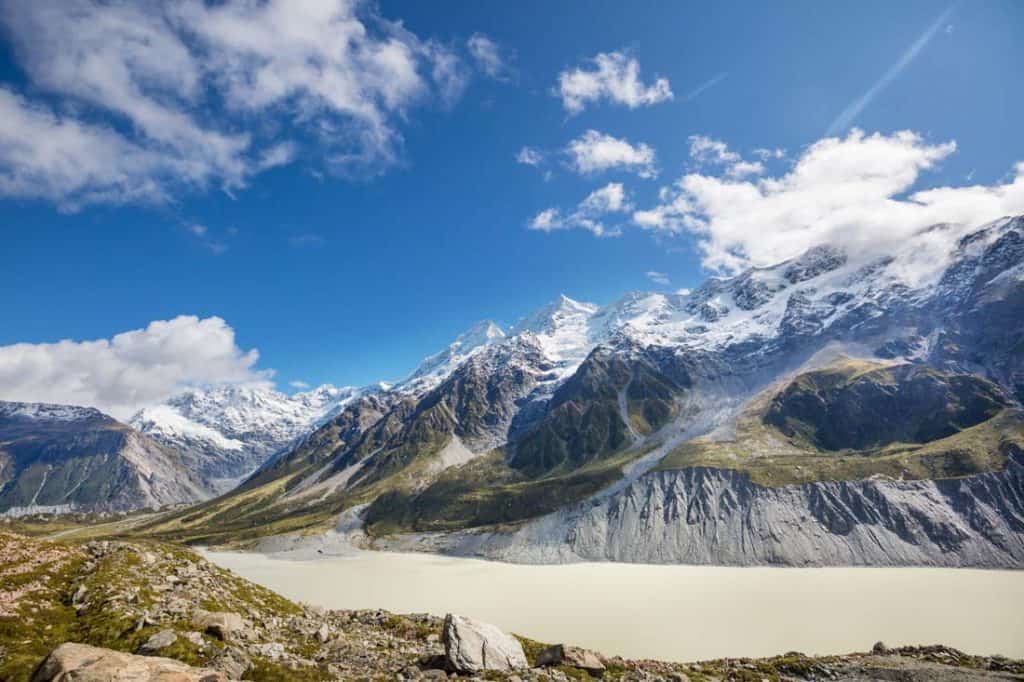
68	162
858	191
614	76
742	169
594	152
547	220
658	278
198	93
301	385
706	150
852	111
530	156
589	213
207	239
767	154
488	56
683	292
131	370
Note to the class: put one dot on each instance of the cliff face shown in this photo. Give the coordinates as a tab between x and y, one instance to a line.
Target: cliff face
58	458
718	516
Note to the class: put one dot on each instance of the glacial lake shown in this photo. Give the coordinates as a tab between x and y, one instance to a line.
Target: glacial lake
680	613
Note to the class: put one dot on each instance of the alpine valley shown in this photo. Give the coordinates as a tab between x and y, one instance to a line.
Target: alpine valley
833	409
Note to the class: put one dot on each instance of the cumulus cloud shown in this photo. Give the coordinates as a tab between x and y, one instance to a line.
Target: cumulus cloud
658	278
71	163
594	152
589	214
612	76
742	169
131	370
859	191
488	56
704	149
530	156
197	94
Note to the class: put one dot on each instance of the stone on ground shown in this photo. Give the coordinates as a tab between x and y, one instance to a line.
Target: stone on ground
472	646
221	624
158	642
572	656
84	663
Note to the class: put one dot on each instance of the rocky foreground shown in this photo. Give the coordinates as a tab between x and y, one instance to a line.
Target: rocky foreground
110	610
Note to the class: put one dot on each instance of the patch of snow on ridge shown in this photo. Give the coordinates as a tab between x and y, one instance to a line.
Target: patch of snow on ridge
164	420
257	417
49	412
563	329
437	367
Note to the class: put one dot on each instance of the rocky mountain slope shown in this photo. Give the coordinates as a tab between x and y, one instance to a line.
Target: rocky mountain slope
59	458
833	408
227	432
108	610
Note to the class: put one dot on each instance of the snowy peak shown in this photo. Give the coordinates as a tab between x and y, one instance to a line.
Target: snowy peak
46	412
435	368
563	329
230	430
561	313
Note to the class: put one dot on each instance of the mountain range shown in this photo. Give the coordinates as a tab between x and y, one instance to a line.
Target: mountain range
836	408
831	409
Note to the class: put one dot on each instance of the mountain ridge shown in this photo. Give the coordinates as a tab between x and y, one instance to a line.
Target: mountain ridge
580	405
61	458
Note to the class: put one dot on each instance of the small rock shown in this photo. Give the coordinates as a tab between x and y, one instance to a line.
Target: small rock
272	650
434	674
232	662
158	642
323	633
221	624
473	646
411	672
72	661
195	638
572	656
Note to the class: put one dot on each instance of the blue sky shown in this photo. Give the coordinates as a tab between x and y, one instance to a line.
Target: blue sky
351	272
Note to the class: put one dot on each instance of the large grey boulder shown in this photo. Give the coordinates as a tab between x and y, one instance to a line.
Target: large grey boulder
471	646
84	663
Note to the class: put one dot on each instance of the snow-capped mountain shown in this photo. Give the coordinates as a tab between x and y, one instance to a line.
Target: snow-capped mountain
435	368
63	458
226	432
561	428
